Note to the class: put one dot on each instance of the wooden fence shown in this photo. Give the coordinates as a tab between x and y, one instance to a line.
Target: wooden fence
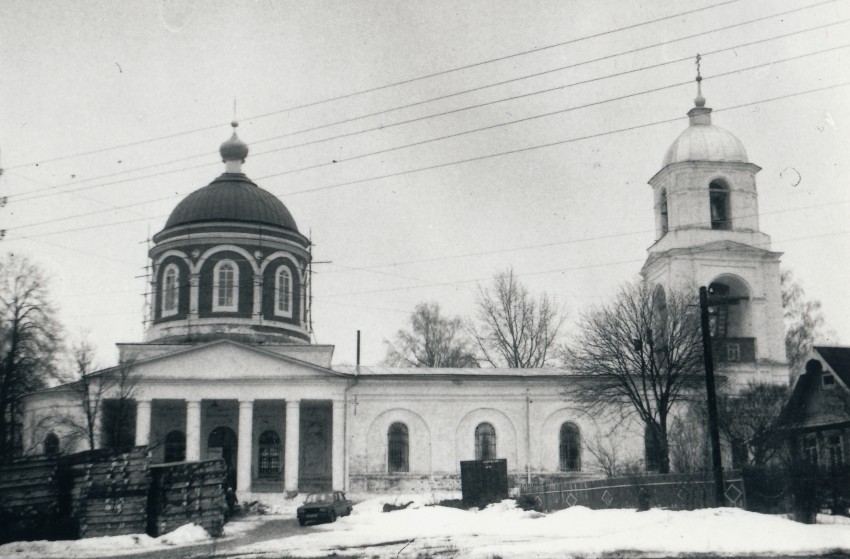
674	491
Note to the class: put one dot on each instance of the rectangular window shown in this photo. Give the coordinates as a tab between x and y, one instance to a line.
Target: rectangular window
828	380
836	451
810	450
733	352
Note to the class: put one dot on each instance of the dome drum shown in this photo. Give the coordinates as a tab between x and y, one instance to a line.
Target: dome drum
230	263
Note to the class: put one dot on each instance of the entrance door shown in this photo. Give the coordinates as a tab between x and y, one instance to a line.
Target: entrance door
222	443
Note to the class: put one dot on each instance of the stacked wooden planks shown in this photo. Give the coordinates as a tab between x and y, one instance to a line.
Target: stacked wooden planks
29	498
109	492
188	492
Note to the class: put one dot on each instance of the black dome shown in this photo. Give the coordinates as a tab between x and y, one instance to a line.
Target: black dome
232	197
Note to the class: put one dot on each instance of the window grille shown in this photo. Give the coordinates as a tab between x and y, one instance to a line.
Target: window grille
398	450
569	449
269	459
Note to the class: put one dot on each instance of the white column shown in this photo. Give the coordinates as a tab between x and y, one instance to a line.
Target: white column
193	430
293	432
258	295
194	282
338	446
143	422
246	444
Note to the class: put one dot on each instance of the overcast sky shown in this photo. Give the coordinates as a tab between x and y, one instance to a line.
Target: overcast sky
82	79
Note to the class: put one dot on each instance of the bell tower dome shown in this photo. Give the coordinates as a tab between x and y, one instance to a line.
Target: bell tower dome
230	263
707	234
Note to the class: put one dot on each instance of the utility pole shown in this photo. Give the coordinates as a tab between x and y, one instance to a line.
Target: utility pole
713	429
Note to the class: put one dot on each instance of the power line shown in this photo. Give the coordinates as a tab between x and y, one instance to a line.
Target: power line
770	63
29	195
552	113
386	86
479	158
567	269
516	121
552	144
567	242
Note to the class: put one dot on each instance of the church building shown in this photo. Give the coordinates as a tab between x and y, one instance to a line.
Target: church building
227	368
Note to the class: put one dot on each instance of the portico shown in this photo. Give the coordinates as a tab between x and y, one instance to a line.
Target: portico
279	428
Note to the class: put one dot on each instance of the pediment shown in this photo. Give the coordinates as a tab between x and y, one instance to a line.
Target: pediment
227	360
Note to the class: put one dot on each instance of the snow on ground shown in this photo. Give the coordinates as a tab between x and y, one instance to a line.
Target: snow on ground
107	546
506	531
500	530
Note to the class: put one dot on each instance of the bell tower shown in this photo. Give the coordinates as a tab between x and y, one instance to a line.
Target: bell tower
707	234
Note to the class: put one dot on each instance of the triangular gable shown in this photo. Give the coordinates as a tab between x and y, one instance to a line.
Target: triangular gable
810	405
224	359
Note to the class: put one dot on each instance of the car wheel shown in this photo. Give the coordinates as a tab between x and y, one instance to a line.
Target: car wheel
302	521
333	516
349	512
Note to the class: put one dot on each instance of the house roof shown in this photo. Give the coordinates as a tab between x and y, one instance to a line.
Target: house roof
837	359
431	372
797	414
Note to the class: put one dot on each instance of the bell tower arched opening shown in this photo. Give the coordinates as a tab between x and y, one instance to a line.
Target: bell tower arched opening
718	197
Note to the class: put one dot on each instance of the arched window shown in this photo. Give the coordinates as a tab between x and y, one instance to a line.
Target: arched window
226	286
170	290
51	444
283	292
662	207
718	195
569	448
269	459
397	448
485	442
175	447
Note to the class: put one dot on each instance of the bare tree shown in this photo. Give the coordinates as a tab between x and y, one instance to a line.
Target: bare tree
432	341
638	353
29	342
609	456
513	329
748	421
804	322
689	441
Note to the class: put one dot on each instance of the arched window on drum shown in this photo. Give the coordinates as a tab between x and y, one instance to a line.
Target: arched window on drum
283	292
170	290
226	286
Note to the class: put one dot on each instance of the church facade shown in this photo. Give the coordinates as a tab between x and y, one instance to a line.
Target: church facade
227	369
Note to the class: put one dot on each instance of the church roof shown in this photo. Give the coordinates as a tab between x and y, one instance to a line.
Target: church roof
425	372
703	141
232	197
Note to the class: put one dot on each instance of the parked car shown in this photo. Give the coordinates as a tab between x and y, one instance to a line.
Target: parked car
324	506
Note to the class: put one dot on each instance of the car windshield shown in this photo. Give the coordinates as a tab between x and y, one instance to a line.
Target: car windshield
319	497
